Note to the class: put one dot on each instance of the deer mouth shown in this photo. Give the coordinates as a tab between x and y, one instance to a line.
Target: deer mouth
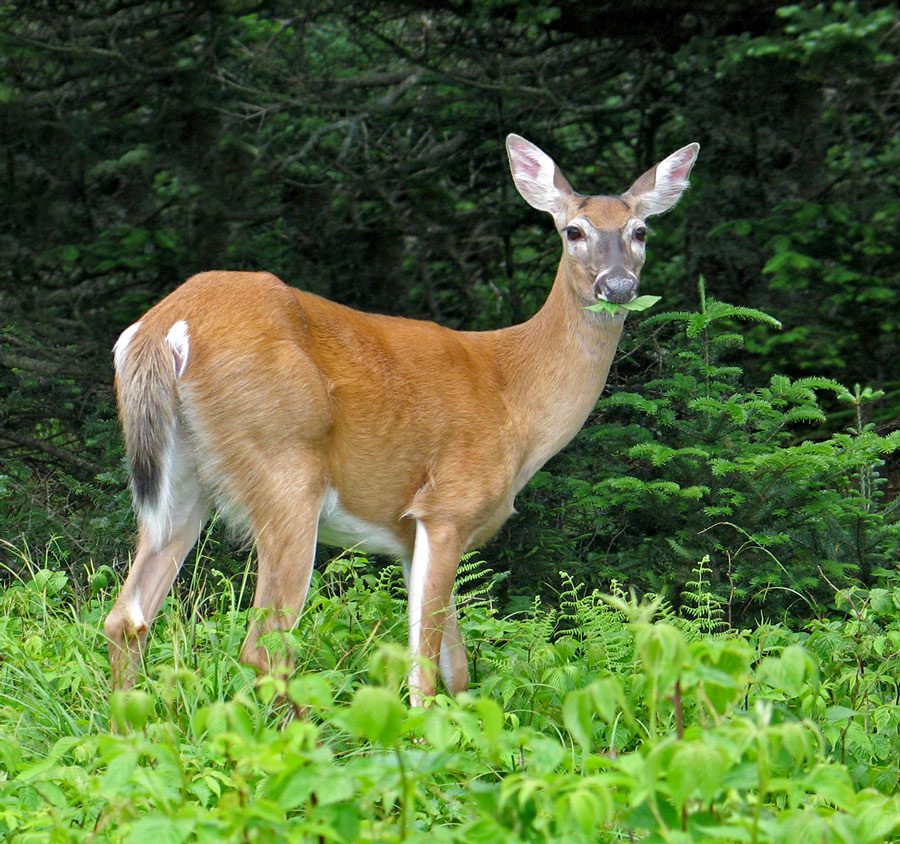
617	298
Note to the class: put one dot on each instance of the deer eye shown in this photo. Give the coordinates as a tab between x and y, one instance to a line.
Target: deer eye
573	233
640	234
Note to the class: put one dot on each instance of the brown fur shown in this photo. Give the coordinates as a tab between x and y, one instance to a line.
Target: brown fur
286	394
275	371
606	213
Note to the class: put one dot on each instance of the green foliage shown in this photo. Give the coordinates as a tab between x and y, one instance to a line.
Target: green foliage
697	465
600	720
820	242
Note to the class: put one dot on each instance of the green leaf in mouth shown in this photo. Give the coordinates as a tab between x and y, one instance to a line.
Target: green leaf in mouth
639	304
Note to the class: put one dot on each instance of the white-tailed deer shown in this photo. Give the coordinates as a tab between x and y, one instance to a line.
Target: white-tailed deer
307	421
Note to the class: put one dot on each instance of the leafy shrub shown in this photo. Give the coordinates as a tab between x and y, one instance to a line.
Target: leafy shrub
598	720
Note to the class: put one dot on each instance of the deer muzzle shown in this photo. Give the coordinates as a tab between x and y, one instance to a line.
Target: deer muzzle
617	286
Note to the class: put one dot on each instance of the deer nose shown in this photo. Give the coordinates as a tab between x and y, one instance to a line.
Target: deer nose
617	286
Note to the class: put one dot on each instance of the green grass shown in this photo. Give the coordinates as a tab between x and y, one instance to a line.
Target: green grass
601	719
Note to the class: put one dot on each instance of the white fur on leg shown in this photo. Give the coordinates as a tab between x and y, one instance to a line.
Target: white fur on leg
179	488
417	578
135	614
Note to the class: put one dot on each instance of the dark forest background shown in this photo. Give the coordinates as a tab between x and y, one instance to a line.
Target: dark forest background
357	151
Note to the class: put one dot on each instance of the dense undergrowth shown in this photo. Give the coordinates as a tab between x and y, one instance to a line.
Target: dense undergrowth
601	719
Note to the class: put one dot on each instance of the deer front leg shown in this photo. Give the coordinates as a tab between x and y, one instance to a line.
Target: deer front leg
454	661
434	564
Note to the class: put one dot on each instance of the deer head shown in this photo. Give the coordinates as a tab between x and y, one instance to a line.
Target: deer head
603	236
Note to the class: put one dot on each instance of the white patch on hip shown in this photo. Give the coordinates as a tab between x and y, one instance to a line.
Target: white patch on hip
342	529
121	346
177	338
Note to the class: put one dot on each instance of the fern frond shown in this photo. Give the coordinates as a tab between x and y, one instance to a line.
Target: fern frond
475	581
704	609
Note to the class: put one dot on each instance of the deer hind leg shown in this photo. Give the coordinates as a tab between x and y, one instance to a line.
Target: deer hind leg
157	560
431	611
285	528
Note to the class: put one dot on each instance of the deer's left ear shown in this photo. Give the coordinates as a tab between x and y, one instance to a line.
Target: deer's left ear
661	186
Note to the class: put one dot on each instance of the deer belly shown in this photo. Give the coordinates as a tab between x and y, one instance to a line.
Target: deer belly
342	529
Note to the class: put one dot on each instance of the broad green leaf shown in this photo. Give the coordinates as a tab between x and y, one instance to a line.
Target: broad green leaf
129	710
333	785
797	740
577	712
390	665
376	714
212	719
159	829
439	729
311	690
581	808
491	718
605	697
118	772
789	671
641	303
663	651
839	713
832	782
696	769
544	754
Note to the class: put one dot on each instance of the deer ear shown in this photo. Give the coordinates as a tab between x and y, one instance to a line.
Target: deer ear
661	186
538	179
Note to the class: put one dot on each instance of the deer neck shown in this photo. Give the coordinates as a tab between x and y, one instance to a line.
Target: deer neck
555	367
